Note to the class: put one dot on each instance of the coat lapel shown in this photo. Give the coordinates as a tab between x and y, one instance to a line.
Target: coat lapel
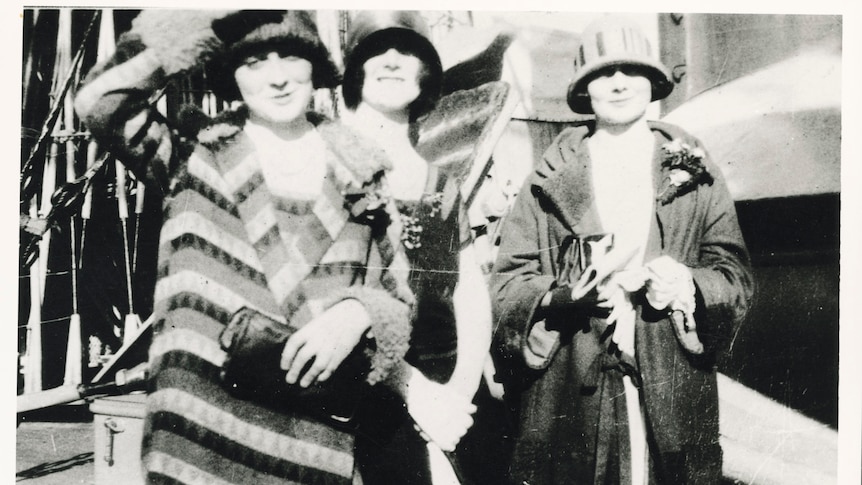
565	178
290	247
656	238
565	181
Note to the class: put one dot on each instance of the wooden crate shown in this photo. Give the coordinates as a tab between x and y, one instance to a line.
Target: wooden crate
119	426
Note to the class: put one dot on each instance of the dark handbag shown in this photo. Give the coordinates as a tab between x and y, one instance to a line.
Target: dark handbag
251	371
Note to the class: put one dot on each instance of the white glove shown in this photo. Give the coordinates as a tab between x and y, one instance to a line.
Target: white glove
618	292
441	469
669	285
441	414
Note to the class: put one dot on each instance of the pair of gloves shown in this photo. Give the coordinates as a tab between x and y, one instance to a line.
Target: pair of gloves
668	285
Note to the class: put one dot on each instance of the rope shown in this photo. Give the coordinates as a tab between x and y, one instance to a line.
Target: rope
53	320
53	116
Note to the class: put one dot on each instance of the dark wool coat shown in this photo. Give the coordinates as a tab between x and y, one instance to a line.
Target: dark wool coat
573	424
402	456
228	242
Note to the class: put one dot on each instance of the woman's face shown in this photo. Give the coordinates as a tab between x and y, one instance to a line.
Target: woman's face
277	88
391	81
619	95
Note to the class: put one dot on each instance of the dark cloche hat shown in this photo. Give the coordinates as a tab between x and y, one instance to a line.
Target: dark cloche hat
371	33
246	31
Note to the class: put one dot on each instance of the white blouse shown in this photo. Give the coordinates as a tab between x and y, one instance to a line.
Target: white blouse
625	198
292	169
623	188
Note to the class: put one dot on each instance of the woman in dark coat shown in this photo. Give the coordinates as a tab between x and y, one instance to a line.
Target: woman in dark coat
621	276
392	77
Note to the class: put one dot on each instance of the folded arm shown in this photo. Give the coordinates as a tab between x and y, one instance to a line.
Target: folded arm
116	107
473	324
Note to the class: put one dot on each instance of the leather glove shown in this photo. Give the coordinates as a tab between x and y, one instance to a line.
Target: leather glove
560	300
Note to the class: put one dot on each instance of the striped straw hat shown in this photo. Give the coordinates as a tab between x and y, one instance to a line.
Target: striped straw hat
613	41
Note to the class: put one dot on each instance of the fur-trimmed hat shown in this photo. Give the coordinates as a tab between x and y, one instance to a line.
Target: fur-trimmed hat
615	40
247	31
220	39
373	32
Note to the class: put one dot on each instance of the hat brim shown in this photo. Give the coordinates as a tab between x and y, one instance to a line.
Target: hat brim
656	72
375	43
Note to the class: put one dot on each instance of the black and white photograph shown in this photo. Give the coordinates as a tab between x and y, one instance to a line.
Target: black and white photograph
394	244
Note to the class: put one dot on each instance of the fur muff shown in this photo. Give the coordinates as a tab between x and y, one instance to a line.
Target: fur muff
185	40
182	39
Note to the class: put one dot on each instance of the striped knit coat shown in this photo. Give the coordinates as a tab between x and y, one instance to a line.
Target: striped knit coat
227	242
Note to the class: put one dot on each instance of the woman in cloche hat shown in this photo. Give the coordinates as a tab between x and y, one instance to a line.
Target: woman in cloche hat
621	276
266	209
392	77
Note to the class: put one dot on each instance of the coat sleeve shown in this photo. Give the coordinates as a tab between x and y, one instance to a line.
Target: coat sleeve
722	272
116	106
520	280
390	330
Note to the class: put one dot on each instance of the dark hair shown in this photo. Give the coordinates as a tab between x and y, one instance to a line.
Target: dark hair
250	32
220	73
407	42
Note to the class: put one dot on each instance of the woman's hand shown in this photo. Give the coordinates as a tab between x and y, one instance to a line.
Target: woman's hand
324	343
561	299
442	414
669	285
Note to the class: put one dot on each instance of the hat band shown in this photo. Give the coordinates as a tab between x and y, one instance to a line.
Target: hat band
626	40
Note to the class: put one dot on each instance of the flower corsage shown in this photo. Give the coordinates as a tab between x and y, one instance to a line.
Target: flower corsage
685	169
411	234
368	203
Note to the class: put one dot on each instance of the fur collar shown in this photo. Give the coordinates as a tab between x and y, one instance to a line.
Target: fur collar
361	158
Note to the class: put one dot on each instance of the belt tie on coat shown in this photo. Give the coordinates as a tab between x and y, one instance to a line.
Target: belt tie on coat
604	362
612	437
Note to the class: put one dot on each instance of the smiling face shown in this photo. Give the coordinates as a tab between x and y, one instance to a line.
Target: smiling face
277	88
619	95
391	81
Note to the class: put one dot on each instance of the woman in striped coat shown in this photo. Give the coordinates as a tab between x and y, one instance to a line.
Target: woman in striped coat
255	216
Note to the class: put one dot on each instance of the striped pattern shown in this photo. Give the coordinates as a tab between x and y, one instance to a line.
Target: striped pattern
612	41
458	137
450	136
229	243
